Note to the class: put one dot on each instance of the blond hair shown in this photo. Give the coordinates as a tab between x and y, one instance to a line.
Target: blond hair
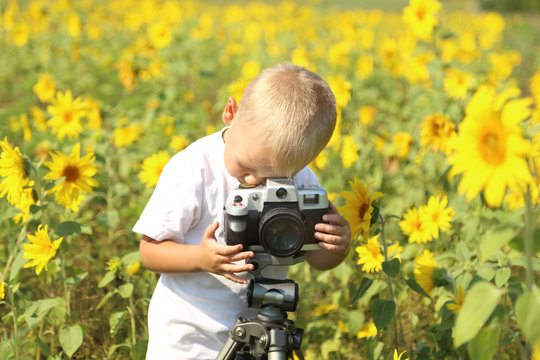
294	109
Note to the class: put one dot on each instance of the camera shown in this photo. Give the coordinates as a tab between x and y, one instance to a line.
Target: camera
276	217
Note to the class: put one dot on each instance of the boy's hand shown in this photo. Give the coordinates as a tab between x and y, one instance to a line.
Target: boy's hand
219	259
336	235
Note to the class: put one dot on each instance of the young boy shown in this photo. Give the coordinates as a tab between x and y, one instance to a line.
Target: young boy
285	118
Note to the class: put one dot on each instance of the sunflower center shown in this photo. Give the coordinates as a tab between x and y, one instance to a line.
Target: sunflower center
420	13
363	210
68	116
71	173
492	147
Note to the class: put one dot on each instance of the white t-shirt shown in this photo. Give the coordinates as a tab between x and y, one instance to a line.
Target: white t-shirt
190	315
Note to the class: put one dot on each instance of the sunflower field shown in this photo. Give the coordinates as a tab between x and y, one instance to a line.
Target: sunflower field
434	162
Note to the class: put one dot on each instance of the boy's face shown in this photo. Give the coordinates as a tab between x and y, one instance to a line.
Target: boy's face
246	153
246	156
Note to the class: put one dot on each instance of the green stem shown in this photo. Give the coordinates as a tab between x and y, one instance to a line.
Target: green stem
132	320
389	281
15	327
67	292
529	240
110	198
131	310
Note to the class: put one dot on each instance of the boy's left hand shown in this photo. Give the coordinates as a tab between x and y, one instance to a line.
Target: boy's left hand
335	235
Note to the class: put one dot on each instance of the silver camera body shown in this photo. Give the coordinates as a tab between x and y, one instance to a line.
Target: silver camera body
277	217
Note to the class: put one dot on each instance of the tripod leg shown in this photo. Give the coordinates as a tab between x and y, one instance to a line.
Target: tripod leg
279	344
229	349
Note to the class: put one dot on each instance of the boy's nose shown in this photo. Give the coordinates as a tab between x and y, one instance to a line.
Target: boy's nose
253	180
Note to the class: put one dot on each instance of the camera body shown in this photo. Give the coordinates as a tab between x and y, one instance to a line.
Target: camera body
277	217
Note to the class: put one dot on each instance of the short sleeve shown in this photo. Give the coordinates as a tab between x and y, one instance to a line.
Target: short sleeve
306	176
175	204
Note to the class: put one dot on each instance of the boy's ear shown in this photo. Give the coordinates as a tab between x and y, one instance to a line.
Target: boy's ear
230	111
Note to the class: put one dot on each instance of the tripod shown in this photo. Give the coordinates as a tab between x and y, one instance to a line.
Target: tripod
270	335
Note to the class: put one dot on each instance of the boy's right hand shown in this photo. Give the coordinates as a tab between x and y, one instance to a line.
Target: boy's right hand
219	259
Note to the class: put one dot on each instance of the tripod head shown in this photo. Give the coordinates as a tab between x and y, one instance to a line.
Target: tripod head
270	335
264	292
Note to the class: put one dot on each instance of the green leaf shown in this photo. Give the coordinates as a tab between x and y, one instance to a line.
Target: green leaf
125	290
106	298
131	258
71	339
364	286
462	252
34	208
17	265
501	276
138	351
76	279
115	321
416	287
478	305
354	321
382	312
343	272
528	312
391	268
484	345
68	228
35	313
494	240
486	271
43	346
329	346
109	276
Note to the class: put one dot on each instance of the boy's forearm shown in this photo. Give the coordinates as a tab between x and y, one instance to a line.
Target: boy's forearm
169	257
324	260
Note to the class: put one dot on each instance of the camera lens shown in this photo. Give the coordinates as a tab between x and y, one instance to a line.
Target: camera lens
281	231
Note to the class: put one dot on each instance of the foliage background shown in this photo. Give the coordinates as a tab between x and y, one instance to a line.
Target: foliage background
166	68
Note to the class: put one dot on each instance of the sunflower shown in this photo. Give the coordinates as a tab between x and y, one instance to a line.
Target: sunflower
424	270
349	151
457	83
368	330
370	256
490	150
77	173
457	301
13	171
366	114
535	87
398	356
152	168
402	141
341	88
414	227
66	115
126	135
435	215
178	143
26	200
359	207
437	132
160	35
45	88
420	16
41	250
321	160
